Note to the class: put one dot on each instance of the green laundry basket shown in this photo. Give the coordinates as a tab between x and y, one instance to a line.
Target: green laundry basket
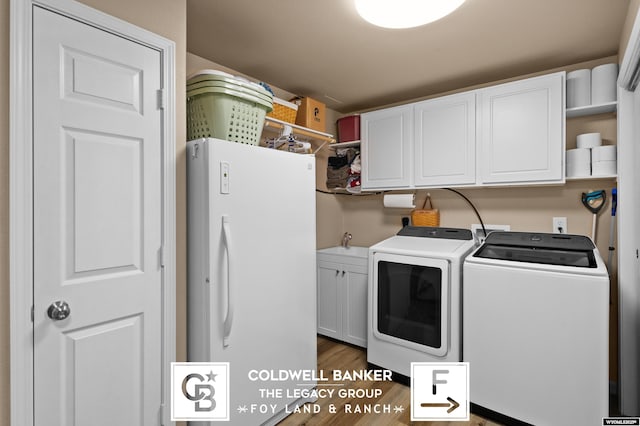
224	113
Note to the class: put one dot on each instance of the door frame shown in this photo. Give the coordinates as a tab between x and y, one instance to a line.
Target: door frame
628	228
21	192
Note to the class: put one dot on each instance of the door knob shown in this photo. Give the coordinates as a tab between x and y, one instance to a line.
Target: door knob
58	310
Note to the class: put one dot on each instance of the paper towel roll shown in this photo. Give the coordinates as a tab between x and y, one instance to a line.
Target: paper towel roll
399	201
579	162
588	140
578	88
603	83
603	153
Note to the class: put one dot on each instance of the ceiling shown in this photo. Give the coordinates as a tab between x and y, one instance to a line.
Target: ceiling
322	49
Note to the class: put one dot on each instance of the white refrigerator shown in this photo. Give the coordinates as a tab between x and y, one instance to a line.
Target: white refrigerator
251	273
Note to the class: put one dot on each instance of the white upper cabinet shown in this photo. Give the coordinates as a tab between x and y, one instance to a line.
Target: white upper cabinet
445	141
509	134
387	138
522	135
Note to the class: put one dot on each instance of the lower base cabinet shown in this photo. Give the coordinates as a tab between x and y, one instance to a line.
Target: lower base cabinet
342	299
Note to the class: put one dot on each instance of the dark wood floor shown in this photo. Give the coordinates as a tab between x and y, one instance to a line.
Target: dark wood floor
333	355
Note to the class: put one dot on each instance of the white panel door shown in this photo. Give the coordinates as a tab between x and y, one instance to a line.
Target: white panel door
97	226
522	136
387	136
445	141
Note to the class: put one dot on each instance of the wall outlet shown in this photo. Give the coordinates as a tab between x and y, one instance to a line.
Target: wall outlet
476	230
560	225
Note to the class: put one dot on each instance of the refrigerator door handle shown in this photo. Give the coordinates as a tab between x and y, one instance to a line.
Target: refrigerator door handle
228	321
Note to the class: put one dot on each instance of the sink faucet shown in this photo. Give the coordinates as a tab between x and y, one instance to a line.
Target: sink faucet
345	239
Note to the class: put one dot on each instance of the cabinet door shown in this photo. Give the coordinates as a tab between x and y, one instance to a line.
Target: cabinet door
522	131
386	148
329	299
445	141
355	285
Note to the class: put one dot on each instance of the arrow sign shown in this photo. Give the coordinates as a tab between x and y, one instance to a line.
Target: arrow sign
452	404
451	399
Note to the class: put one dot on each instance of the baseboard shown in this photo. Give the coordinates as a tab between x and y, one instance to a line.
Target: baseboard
396	377
496	417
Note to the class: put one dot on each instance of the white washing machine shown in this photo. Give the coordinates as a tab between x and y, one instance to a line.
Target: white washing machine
414	297
536	328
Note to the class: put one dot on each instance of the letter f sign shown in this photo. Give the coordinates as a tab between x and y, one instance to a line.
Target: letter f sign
436	381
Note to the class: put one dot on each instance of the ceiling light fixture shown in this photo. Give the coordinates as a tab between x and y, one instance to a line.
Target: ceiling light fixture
405	13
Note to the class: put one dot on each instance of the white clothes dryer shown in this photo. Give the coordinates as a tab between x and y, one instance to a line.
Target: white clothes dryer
536	329
415	298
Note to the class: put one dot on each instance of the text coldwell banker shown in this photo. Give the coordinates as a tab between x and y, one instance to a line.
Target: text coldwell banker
313	375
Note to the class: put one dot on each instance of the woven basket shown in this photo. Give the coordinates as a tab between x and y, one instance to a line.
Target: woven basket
283	110
424	216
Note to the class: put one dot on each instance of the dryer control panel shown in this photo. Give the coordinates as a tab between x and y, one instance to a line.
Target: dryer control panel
436	232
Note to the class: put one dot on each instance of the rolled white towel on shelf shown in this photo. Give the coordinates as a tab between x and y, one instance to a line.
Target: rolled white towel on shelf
579	162
603	84
604	168
578	88
604	160
604	153
588	140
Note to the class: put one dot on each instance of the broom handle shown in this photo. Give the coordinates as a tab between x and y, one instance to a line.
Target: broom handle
611	237
593	228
